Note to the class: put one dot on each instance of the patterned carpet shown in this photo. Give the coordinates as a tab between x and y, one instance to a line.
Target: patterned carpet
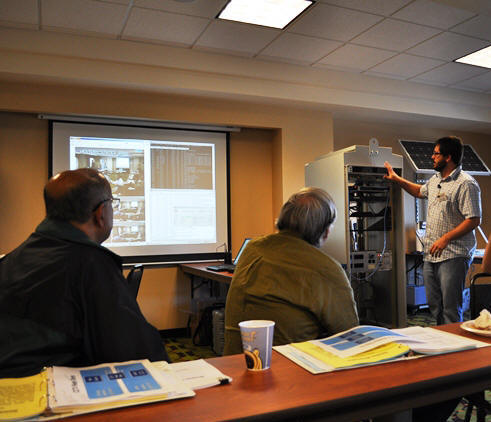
183	349
459	413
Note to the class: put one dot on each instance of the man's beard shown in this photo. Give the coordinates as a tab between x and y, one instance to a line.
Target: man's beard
440	166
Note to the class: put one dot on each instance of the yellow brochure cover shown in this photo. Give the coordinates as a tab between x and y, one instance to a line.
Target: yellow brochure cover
382	353
22	398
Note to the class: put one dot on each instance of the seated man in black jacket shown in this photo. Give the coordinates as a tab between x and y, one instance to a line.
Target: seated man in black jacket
63	298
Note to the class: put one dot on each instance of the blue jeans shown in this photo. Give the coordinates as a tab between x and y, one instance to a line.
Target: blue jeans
444	286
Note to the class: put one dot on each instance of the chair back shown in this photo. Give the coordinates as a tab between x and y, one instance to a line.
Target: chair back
134	278
480	294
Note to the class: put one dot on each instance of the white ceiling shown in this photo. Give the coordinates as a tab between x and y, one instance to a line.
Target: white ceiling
377	60
414	40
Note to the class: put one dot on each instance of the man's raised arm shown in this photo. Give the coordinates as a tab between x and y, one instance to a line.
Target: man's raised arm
409	187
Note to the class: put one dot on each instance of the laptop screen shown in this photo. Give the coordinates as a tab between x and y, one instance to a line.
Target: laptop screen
246	241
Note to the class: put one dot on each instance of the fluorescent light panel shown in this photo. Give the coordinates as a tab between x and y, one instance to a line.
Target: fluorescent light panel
479	58
273	13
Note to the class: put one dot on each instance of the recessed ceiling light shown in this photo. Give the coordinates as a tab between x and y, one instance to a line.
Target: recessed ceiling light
479	58
273	13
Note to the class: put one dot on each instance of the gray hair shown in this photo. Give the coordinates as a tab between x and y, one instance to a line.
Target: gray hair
309	213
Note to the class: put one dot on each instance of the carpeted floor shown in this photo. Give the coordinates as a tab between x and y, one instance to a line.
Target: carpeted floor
459	413
183	349
420	317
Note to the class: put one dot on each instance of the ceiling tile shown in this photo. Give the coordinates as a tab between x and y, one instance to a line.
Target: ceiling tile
333	22
450	73
481	83
166	27
236	38
404	66
380	7
19	11
355	58
83	15
479	27
448	46
203	8
395	35
434	14
299	48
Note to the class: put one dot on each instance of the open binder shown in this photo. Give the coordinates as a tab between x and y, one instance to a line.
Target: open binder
61	391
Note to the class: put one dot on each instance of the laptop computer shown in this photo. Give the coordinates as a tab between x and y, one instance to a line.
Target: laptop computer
230	267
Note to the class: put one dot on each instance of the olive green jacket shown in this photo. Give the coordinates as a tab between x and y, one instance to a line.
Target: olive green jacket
281	277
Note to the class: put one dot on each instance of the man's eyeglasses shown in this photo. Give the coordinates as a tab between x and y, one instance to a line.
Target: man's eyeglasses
436	153
115	203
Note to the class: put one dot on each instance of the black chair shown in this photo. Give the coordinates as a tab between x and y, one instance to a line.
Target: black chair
480	294
480	299
134	278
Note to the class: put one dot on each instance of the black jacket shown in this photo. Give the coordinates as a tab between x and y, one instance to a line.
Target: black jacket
64	301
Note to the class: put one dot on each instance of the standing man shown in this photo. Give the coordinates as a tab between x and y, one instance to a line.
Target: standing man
454	211
63	298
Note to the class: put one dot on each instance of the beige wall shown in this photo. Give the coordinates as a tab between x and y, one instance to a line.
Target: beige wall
267	162
305	133
23	173
251	181
347	133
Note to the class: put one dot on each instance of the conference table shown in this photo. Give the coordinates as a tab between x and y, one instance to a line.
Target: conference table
198	271
289	393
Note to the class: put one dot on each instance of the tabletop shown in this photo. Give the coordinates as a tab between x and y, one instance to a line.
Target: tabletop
286	391
199	269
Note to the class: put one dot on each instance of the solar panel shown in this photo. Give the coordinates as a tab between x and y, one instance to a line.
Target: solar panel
419	154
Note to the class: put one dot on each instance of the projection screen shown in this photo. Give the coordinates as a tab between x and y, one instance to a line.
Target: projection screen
172	185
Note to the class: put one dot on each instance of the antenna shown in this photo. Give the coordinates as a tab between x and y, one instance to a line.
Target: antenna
227	257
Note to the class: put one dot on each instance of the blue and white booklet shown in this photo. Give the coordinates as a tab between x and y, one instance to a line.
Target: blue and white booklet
369	345
59	392
111	385
424	340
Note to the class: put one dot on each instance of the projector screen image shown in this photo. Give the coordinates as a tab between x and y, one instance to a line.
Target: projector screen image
172	185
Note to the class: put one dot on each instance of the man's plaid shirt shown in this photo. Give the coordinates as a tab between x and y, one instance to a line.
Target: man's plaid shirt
451	201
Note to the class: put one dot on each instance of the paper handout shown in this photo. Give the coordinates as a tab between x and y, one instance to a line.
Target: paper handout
368	345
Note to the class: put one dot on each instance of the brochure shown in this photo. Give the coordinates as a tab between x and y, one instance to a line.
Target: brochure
357	340
369	345
424	340
317	360
114	384
62	391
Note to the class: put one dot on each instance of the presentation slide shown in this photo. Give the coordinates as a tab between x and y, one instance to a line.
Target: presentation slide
171	184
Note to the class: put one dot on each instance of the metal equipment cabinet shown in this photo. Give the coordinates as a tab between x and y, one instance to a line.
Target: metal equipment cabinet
368	236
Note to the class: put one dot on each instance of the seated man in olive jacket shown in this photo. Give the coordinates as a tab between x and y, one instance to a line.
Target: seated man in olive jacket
285	277
63	298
